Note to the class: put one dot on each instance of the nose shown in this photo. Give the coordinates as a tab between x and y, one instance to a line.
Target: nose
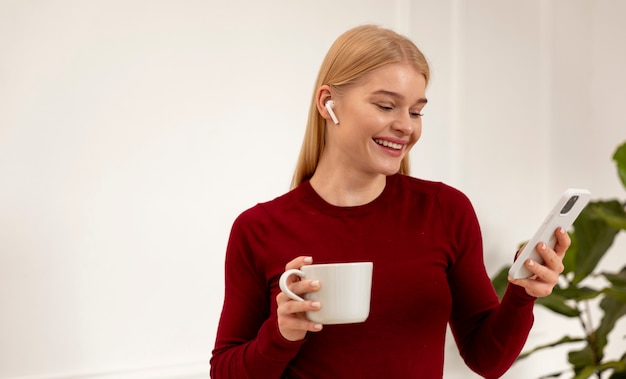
403	124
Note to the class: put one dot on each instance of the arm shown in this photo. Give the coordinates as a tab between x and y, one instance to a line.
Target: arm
489	334
490	341
248	342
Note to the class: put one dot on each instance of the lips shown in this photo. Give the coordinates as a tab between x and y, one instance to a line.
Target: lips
389	144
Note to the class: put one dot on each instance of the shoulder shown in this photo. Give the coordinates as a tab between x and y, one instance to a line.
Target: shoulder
444	194
263	211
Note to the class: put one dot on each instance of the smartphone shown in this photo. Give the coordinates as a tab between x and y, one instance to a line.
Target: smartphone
562	215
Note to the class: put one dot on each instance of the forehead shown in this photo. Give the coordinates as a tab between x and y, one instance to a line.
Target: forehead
401	78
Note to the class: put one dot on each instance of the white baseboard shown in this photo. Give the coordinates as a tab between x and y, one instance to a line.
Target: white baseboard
195	370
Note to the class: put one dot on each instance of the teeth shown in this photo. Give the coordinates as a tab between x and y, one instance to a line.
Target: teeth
392	145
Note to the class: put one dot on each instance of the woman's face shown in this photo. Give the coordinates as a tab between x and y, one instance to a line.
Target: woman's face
379	120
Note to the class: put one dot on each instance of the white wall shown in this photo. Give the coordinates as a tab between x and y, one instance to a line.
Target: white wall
133	132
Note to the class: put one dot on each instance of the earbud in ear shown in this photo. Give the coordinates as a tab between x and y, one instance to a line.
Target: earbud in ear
329	106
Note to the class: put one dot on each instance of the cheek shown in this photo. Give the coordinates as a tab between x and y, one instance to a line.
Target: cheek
417	133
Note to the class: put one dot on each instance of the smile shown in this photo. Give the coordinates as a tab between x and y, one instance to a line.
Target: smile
395	146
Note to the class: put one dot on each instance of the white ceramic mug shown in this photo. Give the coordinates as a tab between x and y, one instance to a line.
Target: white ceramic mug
345	291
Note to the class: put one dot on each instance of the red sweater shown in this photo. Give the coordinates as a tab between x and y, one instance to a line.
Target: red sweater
425	242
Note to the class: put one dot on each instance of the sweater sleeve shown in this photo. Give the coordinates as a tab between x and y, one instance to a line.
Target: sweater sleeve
248	343
489	334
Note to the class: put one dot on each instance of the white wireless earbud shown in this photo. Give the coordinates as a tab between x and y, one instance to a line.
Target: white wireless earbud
329	106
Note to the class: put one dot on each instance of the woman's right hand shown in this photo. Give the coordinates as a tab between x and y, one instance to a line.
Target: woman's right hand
292	321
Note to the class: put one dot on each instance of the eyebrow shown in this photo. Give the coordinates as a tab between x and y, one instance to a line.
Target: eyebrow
396	95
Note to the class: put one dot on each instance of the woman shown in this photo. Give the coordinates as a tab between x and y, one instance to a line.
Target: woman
351	200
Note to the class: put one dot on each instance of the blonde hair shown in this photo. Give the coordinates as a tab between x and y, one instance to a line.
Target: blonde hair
354	54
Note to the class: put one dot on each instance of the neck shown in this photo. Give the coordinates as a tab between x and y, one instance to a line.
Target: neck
347	190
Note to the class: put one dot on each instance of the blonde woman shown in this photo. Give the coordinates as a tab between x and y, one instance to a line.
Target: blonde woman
352	200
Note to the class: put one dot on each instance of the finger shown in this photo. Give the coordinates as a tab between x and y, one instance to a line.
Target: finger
287	323
542	272
292	321
563	241
304	286
533	287
298	308
299	288
288	306
299	262
551	259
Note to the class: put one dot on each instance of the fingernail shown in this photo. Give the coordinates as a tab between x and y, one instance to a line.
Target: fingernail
561	230
316	304
531	263
315	283
308	259
318	326
542	246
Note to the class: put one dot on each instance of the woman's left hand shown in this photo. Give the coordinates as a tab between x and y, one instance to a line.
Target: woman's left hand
546	275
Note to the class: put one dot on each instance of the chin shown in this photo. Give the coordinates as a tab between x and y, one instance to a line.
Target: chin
388	171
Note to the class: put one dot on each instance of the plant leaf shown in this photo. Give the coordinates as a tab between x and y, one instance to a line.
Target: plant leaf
614	307
616	366
569	260
577	293
563	340
553	375
501	281
612	365
620	159
582	359
593	238
612	212
620	373
618	294
558	304
585	372
618	279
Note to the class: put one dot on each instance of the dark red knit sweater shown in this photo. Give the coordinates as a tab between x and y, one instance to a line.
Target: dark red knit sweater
426	245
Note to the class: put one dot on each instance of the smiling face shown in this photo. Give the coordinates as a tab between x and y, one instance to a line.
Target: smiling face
379	121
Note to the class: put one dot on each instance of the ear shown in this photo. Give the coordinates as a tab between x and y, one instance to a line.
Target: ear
323	94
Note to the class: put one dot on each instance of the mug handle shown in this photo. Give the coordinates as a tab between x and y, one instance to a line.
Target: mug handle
282	283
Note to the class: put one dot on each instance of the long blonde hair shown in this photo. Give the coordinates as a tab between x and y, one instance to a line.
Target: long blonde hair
354	54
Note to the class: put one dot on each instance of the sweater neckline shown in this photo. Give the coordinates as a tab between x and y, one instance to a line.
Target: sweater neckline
357	210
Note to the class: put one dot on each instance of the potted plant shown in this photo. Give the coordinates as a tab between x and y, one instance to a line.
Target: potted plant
592	235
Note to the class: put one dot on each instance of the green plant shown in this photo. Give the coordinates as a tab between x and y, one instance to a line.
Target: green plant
592	235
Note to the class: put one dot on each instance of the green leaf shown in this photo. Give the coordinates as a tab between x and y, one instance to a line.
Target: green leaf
563	340
585	372
593	238
558	304
617	280
616	366
569	260
618	294
620	159
501	281
614	307
553	375
577	293
612	365
582	359
612	212
620	373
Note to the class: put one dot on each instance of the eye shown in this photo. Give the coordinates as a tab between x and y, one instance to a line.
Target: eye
384	107
416	114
